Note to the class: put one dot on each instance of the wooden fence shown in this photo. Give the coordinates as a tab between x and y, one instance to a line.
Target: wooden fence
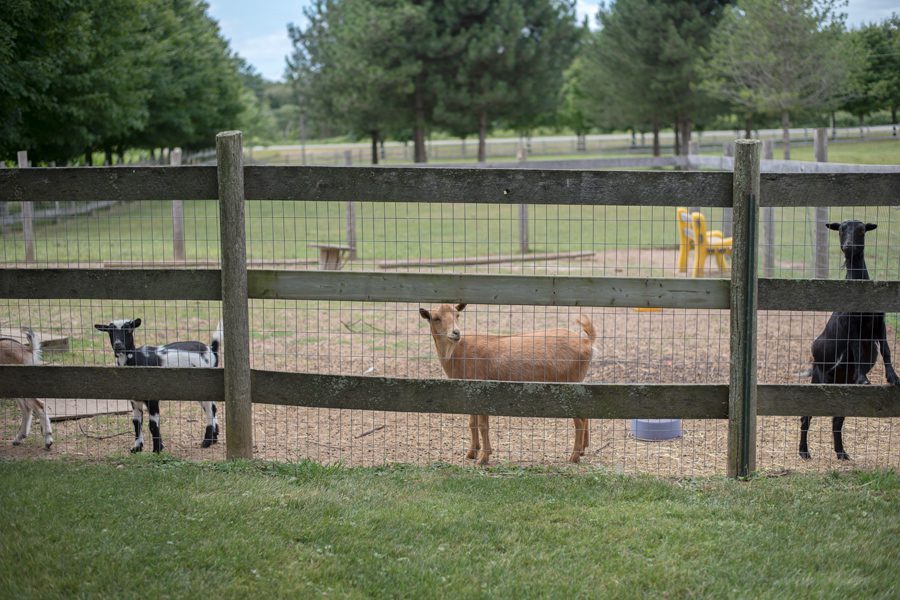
744	190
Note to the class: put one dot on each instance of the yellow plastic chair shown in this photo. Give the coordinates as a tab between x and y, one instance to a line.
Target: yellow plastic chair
693	234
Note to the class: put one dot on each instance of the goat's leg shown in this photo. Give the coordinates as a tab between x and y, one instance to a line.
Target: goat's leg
889	372
210	435
137	417
484	429
474	446
47	430
153	409
837	426
25	428
804	430
578	449
586	438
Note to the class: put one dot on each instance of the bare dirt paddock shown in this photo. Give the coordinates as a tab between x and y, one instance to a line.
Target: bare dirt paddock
388	339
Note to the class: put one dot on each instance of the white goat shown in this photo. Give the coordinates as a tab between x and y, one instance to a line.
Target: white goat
13	352
553	355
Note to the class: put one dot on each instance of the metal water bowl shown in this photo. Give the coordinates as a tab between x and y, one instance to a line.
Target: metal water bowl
656	430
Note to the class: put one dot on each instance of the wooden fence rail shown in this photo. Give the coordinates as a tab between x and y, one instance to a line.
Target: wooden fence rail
233	184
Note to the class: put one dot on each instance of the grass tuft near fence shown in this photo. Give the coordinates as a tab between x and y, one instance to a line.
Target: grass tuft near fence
151	526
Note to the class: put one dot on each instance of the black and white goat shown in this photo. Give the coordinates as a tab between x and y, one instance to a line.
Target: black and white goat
847	348
176	354
14	352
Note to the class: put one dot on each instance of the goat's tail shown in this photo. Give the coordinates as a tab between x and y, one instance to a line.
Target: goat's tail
34	340
216	344
587	326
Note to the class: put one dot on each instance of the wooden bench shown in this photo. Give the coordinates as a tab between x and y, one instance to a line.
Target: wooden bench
332	257
693	235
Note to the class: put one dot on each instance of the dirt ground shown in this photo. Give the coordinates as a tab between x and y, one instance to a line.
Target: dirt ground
388	339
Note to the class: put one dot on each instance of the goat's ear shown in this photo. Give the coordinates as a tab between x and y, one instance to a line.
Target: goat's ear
100	327
460	307
871	226
135	323
425	314
834	226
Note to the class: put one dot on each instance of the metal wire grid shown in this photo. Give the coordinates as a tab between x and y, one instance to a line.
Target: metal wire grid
389	339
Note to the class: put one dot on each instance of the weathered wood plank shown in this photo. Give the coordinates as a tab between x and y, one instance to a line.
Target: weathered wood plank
450	396
742	372
235	312
90	184
829	295
111	284
115	383
489	289
489	259
502	186
829	189
491	397
829	400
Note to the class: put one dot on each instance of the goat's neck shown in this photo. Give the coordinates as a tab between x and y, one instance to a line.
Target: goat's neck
856	266
445	348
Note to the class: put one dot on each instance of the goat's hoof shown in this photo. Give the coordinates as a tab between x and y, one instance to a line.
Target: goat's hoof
136	449
207	443
48	444
17	442
483	460
470	454
843	456
576	457
805	455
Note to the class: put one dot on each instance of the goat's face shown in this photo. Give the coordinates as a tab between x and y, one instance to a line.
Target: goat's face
444	320
121	334
852	235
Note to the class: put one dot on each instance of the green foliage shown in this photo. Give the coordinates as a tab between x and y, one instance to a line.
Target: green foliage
875	82
112	74
252	529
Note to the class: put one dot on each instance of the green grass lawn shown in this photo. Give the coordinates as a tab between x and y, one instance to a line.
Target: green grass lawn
149	527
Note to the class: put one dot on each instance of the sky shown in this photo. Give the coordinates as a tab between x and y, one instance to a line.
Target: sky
257	30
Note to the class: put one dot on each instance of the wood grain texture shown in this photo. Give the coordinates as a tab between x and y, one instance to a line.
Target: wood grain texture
741	459
112	284
235	312
491	397
125	383
829	295
829	189
829	400
502	186
488	289
89	184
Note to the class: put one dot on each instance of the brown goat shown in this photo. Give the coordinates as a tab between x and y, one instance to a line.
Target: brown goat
13	352
553	355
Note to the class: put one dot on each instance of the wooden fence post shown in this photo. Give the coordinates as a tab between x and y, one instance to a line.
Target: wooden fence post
768	213
27	212
238	406
351	213
177	214
821	212
742	375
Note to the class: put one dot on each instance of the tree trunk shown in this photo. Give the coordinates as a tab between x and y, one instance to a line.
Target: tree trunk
833	126
687	126
108	157
656	151
121	152
482	136
677	140
894	118
88	157
748	127
419	154
374	147
786	134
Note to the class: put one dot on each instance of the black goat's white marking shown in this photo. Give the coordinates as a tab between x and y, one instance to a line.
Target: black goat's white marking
177	354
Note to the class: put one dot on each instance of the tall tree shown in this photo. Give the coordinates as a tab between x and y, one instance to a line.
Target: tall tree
780	57
504	59
875	83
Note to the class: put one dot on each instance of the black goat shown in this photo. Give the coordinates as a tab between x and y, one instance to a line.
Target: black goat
176	354
847	349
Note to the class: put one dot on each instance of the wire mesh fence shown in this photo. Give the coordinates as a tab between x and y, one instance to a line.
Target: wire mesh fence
391	339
